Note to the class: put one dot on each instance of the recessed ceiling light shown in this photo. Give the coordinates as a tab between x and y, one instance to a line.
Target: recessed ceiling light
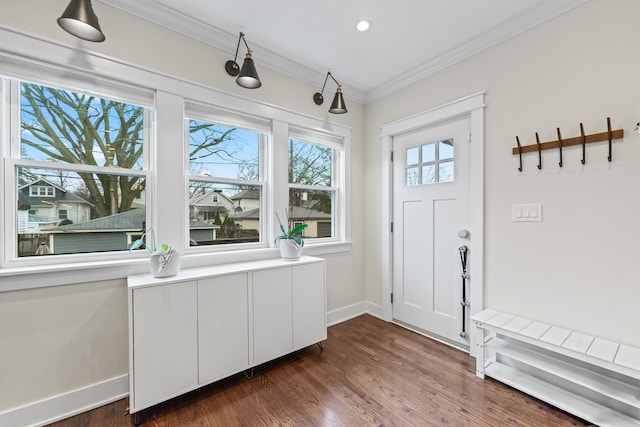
363	25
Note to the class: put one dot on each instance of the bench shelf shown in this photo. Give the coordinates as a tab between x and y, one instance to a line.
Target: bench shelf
592	378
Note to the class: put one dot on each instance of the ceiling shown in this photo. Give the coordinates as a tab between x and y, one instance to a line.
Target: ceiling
407	40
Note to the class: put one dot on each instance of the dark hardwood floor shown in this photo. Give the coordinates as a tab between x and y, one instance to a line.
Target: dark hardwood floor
371	373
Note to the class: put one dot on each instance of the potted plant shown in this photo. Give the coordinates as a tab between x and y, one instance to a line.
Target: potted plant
290	240
164	262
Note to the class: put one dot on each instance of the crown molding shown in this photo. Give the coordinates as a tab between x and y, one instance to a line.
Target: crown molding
176	21
522	22
208	34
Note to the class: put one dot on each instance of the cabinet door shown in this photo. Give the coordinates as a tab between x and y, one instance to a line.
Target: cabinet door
309	306
272	312
165	342
223	326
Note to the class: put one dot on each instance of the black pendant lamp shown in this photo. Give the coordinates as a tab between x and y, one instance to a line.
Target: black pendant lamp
80	20
248	75
337	106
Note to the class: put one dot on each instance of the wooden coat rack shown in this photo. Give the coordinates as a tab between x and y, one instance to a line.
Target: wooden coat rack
560	143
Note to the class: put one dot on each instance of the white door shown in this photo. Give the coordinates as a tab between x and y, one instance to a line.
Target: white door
430	208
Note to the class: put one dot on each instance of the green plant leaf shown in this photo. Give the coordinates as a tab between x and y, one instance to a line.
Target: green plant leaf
297	229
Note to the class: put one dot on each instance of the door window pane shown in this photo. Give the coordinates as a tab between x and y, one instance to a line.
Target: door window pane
435	163
428	153
413	156
445	149
413	175
428	174
445	172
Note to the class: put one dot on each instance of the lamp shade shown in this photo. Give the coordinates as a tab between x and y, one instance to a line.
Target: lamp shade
248	77
80	20
338	106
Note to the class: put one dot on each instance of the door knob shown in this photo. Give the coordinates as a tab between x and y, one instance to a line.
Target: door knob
463	234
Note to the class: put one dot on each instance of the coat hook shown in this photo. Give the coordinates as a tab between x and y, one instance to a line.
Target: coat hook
610	136
519	152
539	151
560	145
584	141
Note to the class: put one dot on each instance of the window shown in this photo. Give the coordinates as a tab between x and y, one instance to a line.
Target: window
41	191
313	187
79	158
430	163
83	140
226	188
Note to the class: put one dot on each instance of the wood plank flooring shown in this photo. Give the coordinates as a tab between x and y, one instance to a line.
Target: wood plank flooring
371	373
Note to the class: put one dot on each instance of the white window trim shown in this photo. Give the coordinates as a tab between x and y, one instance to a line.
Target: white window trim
10	261
51	68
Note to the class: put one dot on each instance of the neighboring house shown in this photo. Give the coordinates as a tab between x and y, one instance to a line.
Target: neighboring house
318	223
246	201
109	233
204	205
113	233
42	203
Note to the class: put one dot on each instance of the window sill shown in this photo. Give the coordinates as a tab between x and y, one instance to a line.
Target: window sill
22	278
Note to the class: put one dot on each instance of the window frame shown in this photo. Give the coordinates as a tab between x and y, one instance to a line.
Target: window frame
339	214
167	96
12	162
214	115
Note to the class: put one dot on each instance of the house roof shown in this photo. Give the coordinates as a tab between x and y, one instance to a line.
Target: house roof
200	196
296	213
132	220
246	194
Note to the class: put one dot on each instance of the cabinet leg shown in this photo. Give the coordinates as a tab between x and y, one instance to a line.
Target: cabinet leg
249	373
137	418
319	344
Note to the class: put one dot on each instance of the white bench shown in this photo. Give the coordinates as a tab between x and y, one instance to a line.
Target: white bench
595	379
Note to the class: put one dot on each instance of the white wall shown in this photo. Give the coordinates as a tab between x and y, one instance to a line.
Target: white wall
576	268
58	339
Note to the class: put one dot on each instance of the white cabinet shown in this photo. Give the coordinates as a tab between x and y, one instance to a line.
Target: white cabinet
165	358
272	314
223	326
289	309
309	309
208	323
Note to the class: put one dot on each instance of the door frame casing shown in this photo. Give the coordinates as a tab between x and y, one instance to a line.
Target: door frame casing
473	107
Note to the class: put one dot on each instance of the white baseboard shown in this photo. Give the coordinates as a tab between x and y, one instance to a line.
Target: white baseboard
65	405
345	313
354	310
375	310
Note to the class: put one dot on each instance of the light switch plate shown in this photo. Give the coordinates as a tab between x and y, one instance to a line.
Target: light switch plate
527	212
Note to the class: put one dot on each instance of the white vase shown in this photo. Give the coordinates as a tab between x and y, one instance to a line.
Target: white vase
164	264
290	250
